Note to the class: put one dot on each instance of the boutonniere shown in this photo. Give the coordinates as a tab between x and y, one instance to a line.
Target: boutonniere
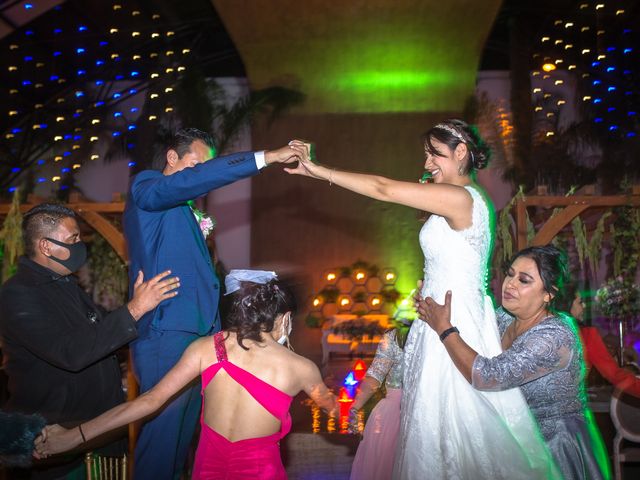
205	221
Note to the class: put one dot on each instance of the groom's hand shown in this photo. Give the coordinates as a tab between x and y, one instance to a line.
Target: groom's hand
293	152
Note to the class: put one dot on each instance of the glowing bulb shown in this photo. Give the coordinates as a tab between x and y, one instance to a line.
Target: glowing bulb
152	117
57	158
331	277
76	166
55	179
359	276
316	302
375	302
95	157
95	121
155	75
390	276
548	67
344	302
57	138
93	139
13	68
113	30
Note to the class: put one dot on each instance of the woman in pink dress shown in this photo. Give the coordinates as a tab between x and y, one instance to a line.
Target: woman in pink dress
376	452
248	381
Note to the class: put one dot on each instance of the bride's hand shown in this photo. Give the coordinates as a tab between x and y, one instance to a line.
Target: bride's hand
305	165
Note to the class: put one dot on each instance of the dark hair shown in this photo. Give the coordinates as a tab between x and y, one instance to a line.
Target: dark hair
552	267
255	307
41	221
479	152
181	142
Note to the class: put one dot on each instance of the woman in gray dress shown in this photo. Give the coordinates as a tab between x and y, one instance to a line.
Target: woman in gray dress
542	355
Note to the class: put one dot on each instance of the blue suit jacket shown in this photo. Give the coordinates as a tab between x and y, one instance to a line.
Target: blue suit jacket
162	234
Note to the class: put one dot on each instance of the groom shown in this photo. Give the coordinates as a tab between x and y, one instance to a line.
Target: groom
162	233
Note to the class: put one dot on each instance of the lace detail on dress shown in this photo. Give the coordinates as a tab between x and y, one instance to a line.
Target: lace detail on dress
221	352
545	362
387	364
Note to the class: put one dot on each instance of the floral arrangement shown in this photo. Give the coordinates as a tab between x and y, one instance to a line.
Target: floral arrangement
357	329
619	298
205	221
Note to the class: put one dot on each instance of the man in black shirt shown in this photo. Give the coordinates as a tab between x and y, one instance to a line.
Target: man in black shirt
58	346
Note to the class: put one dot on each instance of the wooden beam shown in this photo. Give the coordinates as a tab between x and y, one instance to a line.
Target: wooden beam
553	226
105	228
112	207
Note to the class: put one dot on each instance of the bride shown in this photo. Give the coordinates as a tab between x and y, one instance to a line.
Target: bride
449	430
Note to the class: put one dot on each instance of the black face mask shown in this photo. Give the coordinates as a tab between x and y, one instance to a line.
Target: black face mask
77	255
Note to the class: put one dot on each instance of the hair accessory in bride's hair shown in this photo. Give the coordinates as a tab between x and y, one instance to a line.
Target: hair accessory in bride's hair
451	130
235	277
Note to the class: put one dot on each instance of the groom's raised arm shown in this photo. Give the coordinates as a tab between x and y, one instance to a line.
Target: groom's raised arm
151	190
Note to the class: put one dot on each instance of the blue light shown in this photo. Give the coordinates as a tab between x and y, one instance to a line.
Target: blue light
82	28
117	114
42	180
611	109
611	49
28	6
79	50
82	72
103	43
116	134
99	82
631	114
15	169
26	82
611	69
53	78
626	30
28	33
133	109
99	62
598	120
611	89
132	91
68	136
57	54
56	31
98	104
631	134
627	72
76	115
350	380
131	164
28	58
597	82
66	154
16	130
43	125
135	74
131	127
131	146
41	161
119	77
597	100
628	93
64	187
65	170
77	137
79	94
595	64
116	95
627	50
613	127
12	189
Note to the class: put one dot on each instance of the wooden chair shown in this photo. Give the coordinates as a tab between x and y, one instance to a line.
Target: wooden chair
625	414
100	467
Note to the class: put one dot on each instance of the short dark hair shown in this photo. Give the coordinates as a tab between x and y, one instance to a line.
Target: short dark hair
41	221
181	140
479	152
255	307
552	267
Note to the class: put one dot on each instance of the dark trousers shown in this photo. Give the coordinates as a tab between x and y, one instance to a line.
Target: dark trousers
163	443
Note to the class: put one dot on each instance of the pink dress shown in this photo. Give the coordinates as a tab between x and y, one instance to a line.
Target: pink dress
252	458
376	452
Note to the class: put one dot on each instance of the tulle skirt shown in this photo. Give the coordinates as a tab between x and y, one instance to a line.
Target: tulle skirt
376	452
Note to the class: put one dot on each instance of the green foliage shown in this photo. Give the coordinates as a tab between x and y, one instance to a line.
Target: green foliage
329	294
11	238
580	236
313	321
594	248
356	330
626	241
108	273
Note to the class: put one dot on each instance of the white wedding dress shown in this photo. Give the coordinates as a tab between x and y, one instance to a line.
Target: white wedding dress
449	430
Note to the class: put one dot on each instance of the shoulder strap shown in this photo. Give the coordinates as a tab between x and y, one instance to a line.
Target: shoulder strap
221	352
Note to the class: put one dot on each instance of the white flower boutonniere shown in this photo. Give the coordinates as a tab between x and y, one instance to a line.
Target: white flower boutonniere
205	221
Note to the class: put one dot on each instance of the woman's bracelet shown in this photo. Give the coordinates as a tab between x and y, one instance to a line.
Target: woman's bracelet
448	332
84	439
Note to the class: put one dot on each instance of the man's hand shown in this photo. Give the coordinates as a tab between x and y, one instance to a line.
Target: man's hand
147	295
293	152
437	316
